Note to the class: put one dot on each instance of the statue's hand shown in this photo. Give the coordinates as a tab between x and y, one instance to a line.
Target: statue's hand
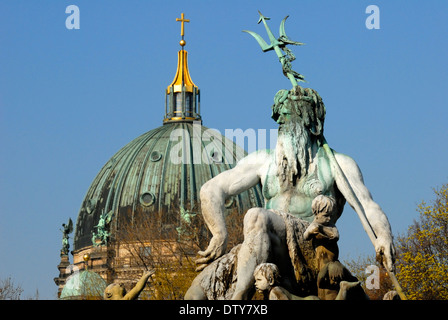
385	252
312	230
216	248
149	273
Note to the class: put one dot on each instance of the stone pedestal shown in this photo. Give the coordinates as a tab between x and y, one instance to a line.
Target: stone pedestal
64	273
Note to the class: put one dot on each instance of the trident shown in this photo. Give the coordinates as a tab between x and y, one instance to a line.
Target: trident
285	59
277	45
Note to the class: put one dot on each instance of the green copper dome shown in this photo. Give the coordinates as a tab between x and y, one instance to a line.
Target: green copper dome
83	285
158	173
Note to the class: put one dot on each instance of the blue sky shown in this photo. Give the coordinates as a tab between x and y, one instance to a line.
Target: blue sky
70	99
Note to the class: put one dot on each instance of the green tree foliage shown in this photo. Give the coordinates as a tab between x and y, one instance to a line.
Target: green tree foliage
422	265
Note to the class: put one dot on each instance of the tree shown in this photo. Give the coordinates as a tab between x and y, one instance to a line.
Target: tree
422	265
168	244
9	290
146	244
369	271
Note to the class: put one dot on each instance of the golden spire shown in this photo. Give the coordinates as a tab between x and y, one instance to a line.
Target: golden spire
182	93
182	77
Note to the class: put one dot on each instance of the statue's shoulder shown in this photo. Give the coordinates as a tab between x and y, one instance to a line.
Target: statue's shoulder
348	165
344	160
259	157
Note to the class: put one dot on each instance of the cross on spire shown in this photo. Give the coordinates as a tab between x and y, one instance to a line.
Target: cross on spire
182	20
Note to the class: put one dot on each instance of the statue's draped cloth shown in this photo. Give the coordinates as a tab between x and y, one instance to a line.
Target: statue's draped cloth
219	283
301	253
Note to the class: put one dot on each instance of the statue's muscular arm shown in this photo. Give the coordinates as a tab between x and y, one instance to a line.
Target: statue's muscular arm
138	288
214	193
376	217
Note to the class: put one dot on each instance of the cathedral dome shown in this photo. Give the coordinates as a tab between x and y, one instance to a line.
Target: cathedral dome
159	173
83	285
144	203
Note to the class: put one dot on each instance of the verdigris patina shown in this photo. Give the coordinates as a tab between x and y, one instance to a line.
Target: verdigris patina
67	229
300	169
279	45
101	237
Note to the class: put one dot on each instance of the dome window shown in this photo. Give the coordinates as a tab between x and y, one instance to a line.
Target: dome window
155	156
147	199
215	156
90	205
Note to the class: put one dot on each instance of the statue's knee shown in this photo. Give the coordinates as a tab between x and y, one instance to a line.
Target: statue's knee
255	220
195	293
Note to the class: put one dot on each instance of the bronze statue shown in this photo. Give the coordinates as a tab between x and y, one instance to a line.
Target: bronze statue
116	291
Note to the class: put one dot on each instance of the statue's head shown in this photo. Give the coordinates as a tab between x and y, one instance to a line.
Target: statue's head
300	105
300	113
324	209
266	276
114	291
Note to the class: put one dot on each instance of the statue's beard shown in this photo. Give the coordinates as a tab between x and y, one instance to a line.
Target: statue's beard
292	153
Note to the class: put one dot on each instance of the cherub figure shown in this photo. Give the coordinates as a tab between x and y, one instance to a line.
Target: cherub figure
323	225
267	280
116	291
333	275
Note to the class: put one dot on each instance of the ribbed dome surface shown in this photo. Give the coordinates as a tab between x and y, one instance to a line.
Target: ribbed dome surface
85	284
142	177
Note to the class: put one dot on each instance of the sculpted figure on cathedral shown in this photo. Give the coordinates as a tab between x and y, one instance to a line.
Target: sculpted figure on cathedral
67	229
102	235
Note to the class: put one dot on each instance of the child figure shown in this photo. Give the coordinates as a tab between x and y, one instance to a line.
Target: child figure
267	279
323	225
333	278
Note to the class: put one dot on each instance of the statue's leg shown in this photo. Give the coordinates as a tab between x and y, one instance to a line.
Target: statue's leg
345	287
195	292
263	232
